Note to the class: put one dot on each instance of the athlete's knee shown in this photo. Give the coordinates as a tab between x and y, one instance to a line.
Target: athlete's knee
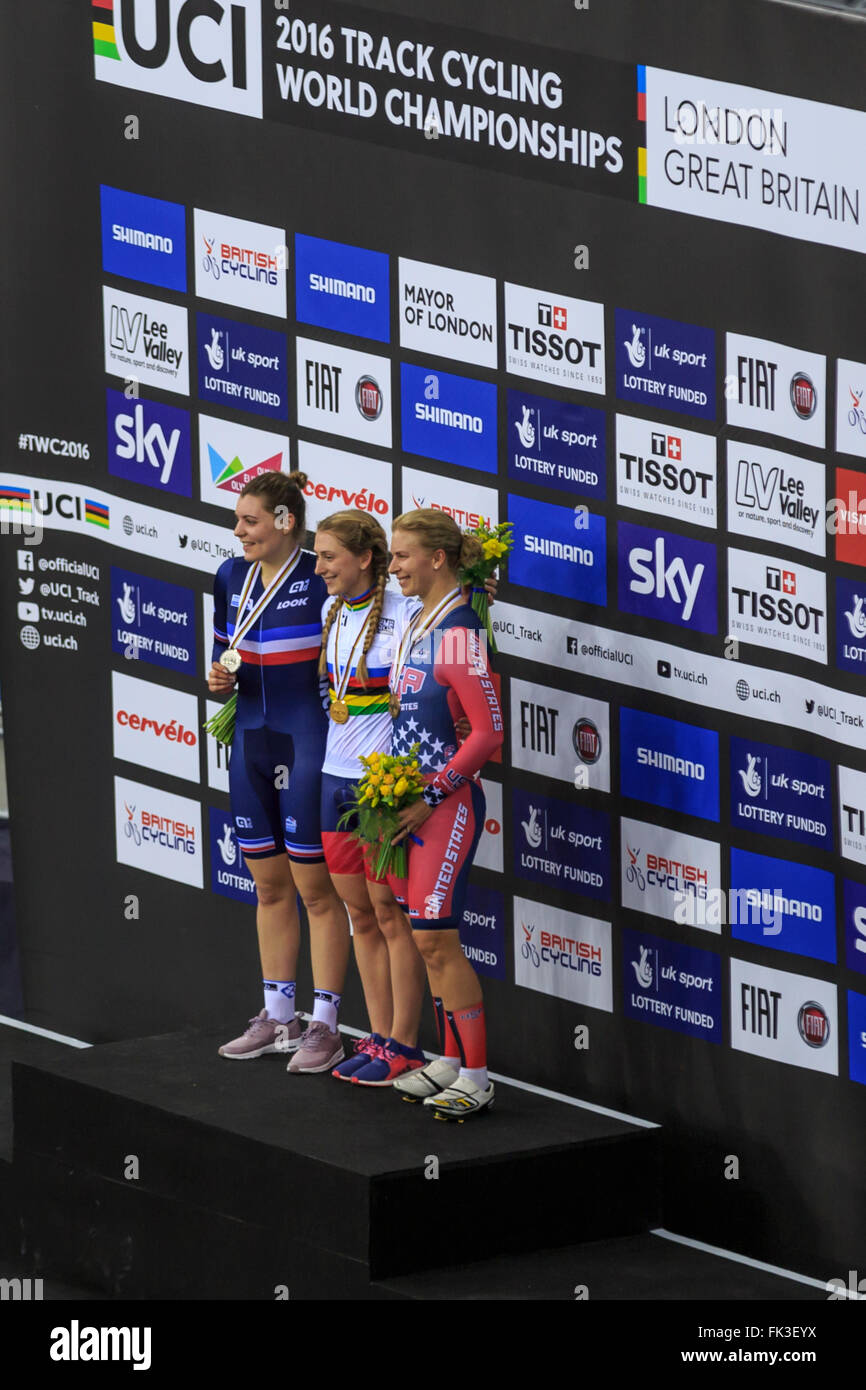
272	894
436	949
391	920
321	902
363	920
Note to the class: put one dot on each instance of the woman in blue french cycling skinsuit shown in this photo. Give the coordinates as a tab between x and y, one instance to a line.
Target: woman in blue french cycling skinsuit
275	769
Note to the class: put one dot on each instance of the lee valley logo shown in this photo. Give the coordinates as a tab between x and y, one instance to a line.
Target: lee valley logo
77	1343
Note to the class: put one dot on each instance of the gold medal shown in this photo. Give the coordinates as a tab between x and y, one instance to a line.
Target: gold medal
393	705
339	711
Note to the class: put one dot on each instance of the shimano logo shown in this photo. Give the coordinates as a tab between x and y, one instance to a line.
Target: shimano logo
666	762
343	289
133	236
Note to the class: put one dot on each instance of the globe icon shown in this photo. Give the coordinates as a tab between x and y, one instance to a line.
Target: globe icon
127	526
30	637
742	690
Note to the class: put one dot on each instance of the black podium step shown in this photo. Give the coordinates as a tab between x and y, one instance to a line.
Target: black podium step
247	1176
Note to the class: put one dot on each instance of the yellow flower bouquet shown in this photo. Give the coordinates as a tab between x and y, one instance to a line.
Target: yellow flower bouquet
389	784
496	542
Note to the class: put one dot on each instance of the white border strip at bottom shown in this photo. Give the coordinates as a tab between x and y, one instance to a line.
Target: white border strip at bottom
42	1032
742	1259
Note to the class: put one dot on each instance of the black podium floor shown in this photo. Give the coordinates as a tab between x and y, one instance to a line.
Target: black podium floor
155	1169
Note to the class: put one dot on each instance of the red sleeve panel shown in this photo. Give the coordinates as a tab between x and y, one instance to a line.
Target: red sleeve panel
461	665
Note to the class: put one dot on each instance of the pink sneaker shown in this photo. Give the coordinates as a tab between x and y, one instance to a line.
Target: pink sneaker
321	1050
264	1034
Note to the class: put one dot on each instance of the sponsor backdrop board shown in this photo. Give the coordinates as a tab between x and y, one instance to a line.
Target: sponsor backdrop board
641	352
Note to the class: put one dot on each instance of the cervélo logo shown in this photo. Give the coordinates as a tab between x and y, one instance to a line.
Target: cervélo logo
669	763
665	364
665	576
201	51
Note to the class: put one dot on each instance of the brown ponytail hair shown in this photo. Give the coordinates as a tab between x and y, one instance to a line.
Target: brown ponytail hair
438	531
358	532
281	493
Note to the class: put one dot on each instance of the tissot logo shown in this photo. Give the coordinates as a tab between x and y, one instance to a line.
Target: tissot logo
560	340
661	471
777	605
201	51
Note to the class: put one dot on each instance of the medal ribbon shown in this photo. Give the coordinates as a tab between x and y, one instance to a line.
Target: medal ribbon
341	680
414	632
243	627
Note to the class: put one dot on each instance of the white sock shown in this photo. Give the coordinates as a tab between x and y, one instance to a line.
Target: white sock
476	1074
325	1006
280	999
453	1062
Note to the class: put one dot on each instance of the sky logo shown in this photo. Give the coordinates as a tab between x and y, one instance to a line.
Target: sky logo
665	364
854	898
777	791
143	238
784	905
343	288
448	417
149	443
558	550
668	763
667	577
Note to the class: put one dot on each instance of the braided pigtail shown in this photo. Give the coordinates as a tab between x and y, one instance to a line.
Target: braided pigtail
372	624
333	613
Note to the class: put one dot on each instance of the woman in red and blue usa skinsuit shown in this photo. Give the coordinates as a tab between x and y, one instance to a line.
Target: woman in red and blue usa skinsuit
441	673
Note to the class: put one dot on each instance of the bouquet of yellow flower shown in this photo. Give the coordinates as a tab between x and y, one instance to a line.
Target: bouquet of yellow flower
496	542
222	724
389	784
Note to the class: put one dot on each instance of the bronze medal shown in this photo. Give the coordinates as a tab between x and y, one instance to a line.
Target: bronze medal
393	705
339	711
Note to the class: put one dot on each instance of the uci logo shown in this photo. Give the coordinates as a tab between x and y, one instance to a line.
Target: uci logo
202	51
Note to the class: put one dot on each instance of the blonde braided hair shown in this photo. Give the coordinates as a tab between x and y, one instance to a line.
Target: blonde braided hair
358	532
